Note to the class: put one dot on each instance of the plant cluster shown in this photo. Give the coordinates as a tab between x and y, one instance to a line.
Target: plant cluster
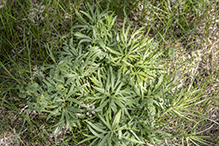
101	79
111	84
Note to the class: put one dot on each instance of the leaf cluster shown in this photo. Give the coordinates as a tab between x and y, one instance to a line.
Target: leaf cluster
109	83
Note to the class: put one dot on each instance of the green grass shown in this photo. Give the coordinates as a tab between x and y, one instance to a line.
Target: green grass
34	41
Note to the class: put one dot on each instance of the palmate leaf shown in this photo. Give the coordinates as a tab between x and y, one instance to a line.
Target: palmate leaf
96	127
100	134
110	92
105	122
112	133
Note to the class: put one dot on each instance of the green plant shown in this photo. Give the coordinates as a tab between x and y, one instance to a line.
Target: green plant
25	28
188	77
102	67
109	84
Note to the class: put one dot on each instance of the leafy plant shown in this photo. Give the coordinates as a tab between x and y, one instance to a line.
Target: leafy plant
110	83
